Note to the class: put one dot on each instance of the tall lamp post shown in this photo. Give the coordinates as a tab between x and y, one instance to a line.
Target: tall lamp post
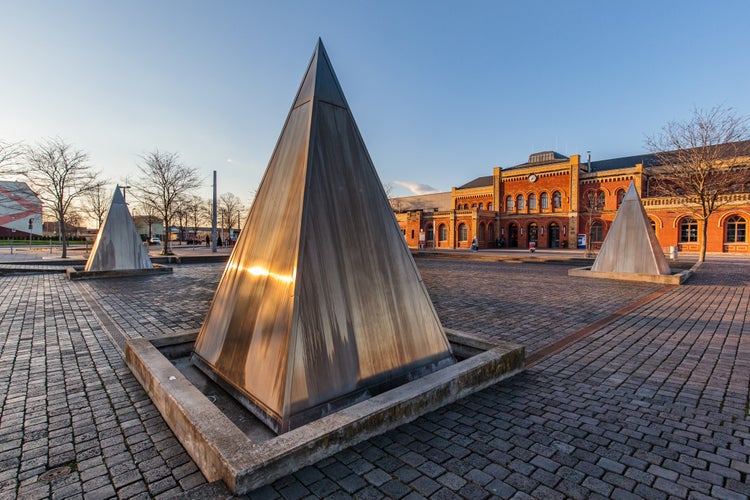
213	219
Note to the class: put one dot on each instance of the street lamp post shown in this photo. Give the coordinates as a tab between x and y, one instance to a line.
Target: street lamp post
213	219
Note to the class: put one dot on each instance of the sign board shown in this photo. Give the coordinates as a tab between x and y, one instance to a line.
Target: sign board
582	241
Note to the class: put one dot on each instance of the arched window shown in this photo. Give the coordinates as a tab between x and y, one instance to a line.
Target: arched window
481	206
412	234
466	206
532	202
688	230
430	233
594	200
556	200
520	203
544	201
463	232
620	196
509	204
443	232
481	231
653	224
473	205
489	206
597	232
736	229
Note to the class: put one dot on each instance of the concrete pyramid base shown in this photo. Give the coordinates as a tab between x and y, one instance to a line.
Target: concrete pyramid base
676	278
243	453
74	274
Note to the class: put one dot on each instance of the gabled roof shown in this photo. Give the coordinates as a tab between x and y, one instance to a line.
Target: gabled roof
741	148
647	159
478	182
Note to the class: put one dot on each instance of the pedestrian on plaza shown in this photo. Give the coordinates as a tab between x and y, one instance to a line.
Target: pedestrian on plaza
474	244
218	241
502	241
208	240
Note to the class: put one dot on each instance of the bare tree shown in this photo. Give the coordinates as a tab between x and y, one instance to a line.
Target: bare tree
164	179
149	215
181	216
95	203
593	206
700	162
11	155
60	174
230	206
193	206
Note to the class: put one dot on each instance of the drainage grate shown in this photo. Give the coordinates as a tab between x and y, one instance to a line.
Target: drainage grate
54	474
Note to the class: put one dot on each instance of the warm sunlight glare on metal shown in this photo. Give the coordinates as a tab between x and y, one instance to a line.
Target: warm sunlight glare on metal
261	271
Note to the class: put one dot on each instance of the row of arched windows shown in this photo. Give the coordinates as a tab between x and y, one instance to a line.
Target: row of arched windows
479	206
735	230
519	203
595	200
483	231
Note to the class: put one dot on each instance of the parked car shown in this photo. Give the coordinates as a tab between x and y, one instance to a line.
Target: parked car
155	240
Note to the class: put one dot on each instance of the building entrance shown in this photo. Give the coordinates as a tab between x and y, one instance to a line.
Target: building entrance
554	235
513	236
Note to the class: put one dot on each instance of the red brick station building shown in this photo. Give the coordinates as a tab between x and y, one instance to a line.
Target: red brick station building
544	201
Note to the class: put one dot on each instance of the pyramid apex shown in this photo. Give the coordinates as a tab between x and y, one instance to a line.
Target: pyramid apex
320	82
632	193
118	197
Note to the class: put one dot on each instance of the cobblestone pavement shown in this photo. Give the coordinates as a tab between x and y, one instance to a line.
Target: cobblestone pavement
653	404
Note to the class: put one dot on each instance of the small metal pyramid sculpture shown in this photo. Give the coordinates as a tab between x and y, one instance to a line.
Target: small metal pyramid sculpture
118	245
631	245
321	304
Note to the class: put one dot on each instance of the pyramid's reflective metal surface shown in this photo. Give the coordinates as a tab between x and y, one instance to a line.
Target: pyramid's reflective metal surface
321	303
118	245
631	245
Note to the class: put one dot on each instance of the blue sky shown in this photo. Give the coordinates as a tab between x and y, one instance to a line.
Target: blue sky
441	91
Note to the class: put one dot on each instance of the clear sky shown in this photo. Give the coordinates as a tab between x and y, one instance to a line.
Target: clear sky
442	91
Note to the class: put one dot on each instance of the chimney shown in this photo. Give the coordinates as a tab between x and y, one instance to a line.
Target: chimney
588	161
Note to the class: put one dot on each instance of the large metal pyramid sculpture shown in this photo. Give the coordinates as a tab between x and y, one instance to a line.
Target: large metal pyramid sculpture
631	245
321	304
118	245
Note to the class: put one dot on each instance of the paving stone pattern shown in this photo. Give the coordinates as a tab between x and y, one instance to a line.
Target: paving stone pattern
654	404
